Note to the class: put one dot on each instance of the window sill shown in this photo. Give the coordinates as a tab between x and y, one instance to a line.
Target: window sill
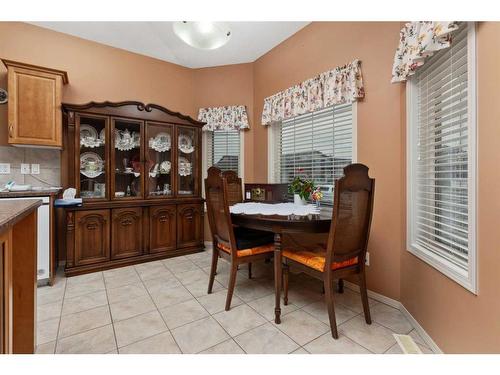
448	269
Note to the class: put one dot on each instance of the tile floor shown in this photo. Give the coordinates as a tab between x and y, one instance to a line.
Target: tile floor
163	307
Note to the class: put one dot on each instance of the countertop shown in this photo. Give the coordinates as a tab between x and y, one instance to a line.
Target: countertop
29	193
13	211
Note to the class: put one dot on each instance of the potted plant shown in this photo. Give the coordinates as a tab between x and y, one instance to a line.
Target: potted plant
301	190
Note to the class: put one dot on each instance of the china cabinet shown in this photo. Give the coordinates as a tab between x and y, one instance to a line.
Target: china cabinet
138	169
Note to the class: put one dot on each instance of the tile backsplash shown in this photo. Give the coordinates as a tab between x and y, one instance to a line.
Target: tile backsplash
49	160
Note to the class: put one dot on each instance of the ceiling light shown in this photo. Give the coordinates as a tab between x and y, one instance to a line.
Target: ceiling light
203	35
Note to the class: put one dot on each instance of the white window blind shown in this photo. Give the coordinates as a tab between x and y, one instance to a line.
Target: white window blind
315	146
223	150
442	169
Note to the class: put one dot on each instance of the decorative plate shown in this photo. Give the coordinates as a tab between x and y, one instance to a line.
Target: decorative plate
185	168
89	137
185	144
102	135
165	167
161	142
91	164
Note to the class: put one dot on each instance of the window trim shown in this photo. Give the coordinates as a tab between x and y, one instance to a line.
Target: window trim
468	279
241	161
271	144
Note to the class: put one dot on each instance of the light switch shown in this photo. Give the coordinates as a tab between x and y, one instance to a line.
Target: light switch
35	168
25	168
4	168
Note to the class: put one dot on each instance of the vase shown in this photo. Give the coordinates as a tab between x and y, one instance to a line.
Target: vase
298	200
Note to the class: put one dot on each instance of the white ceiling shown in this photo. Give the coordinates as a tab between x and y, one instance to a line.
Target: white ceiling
249	40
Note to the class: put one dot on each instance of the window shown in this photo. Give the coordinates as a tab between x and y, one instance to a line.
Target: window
316	146
224	150
441	160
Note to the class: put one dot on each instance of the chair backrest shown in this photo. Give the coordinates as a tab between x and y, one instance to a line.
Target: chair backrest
352	215
218	213
234	188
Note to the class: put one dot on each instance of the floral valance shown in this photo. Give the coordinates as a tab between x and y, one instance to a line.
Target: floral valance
417	41
340	85
224	118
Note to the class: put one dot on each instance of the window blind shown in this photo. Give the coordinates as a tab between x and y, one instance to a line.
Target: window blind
223	149
441	216
315	146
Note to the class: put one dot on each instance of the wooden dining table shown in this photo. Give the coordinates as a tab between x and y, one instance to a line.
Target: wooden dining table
281	225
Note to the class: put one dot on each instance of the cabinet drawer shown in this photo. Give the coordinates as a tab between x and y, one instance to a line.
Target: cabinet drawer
189	225
126	232
91	237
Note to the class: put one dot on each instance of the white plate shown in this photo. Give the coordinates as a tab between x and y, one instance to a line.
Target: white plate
185	144
165	167
185	168
161	142
89	137
86	161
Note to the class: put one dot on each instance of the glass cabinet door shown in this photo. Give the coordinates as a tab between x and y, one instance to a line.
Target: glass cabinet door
187	161
91	181
159	168
126	157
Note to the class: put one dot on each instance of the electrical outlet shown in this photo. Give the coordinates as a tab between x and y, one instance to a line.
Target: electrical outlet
367	259
35	168
4	168
25	168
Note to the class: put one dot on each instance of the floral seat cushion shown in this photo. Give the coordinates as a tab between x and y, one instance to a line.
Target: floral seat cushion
315	259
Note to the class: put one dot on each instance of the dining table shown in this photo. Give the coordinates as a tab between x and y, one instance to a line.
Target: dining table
281	225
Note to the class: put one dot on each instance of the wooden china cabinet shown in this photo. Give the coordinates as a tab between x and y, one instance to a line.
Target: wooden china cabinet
138	169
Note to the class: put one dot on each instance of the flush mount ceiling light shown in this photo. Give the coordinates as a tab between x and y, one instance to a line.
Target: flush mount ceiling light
203	35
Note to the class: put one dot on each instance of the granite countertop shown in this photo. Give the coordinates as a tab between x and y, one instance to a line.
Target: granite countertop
13	211
29	193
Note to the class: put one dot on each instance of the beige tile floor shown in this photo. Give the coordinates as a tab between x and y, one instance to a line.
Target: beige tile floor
163	307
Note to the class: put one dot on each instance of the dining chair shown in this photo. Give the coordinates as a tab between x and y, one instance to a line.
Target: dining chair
237	245
235	195
234	187
344	253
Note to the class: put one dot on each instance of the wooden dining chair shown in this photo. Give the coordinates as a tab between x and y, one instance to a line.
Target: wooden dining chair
345	250
234	187
235	244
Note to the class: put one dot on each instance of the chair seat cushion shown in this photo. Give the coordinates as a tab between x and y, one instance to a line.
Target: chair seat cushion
315	259
251	242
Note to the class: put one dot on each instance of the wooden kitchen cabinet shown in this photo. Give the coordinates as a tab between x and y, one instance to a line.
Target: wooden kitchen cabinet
34	106
92	233
189	225
162	228
4	314
126	232
18	285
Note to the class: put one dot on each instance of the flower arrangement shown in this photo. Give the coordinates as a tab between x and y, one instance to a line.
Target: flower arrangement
302	187
317	195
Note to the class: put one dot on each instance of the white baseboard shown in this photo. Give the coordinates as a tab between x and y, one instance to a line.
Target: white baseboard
376	296
208	245
398	305
421	331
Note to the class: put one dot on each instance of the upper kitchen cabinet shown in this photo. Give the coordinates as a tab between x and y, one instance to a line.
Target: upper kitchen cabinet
35	105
